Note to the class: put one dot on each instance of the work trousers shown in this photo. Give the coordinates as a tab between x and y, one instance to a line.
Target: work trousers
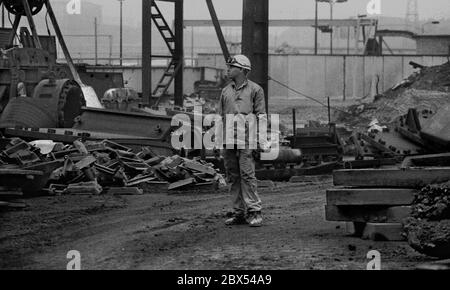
240	167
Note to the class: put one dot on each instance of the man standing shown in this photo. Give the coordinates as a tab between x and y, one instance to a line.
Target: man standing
242	97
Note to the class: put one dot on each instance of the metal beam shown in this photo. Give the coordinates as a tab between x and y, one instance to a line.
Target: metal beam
62	43
179	52
391	178
385	214
255	41
146	51
36	40
14	30
287	23
215	20
370	196
395	33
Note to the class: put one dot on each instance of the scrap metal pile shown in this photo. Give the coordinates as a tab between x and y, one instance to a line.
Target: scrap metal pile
93	167
415	133
397	140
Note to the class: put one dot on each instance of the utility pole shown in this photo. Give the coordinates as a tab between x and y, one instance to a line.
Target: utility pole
146	51
412	15
348	40
110	48
96	41
3	15
121	32
316	27
331	27
192	46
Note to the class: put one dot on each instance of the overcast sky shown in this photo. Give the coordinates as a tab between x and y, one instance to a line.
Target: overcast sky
297	9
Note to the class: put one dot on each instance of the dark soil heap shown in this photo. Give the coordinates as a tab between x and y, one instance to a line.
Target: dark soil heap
428	228
433	202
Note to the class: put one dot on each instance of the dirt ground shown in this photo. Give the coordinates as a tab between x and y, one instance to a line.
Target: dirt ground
185	230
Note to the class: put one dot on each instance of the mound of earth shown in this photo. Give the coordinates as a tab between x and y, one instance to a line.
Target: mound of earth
428	228
428	89
431	238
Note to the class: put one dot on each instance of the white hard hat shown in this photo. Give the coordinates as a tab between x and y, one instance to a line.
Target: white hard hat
240	61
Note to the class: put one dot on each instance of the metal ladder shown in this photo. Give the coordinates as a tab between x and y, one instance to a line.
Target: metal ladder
165	81
169	38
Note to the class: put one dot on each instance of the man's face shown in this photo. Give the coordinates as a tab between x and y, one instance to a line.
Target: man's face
233	71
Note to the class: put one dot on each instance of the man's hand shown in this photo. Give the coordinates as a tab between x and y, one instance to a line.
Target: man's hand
264	146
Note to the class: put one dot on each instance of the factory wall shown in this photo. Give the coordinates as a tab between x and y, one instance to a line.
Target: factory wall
433	44
324	75
133	76
316	76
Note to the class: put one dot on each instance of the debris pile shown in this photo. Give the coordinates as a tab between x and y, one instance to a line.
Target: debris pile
93	167
428	228
433	202
427	89
432	78
387	109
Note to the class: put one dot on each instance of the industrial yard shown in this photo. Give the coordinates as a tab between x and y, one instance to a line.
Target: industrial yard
105	161
161	229
185	231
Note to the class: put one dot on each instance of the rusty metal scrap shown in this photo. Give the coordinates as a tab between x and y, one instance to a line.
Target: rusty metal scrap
93	167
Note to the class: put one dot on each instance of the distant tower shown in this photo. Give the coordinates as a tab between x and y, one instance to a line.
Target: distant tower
412	15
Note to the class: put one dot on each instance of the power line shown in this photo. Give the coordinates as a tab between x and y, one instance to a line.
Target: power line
313	99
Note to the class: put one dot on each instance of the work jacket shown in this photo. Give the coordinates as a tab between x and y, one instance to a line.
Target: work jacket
241	102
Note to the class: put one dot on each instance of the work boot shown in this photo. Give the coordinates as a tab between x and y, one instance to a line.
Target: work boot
255	219
237	219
